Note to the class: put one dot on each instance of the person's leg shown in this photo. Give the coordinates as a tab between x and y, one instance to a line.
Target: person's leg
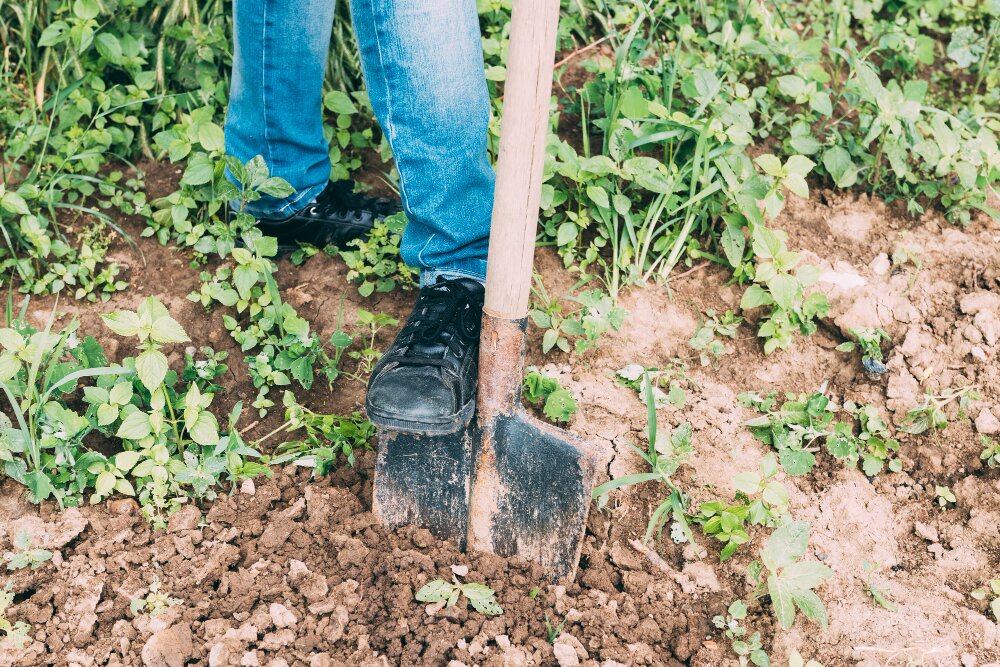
423	67
276	96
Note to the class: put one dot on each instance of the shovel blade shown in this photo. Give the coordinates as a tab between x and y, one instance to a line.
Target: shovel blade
531	491
424	481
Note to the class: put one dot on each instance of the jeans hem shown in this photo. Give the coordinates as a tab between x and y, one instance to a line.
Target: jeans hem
475	269
284	209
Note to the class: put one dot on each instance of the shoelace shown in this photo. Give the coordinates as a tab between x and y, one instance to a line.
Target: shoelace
443	309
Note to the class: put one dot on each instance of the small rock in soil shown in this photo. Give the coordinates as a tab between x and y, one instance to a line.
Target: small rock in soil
987	423
171	647
926	531
281	616
186	518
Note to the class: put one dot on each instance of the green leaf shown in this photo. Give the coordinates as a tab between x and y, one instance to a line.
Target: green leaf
205	431
435	591
483	599
211	137
797	462
151	367
168	330
123	322
811	606
339	102
782	601
784	288
105	483
770	164
135	427
199	171
125	461
837	162
786	545
805	575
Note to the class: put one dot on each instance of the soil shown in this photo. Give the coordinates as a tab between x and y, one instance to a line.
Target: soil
297	571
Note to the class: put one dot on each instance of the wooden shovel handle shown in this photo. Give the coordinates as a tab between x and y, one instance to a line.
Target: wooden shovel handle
523	132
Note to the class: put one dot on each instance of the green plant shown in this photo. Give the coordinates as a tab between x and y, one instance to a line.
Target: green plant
374	263
991	590
14	634
795	659
792	430
943	496
874	591
780	284
673	377
155	602
873	445
991	451
930	414
870	341
558	404
760	501
664	454
790	581
706	341
553	631
325	437
749	649
37	368
481	597
596	315
24	555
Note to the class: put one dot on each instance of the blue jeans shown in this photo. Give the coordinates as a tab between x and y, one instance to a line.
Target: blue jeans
423	66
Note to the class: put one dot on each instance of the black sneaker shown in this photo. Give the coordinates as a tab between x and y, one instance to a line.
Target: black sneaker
337	216
426	383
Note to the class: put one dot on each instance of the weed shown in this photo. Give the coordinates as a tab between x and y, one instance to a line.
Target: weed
793	430
24	555
664	454
155	602
874	591
991	451
943	496
991	590
930	414
374	263
873	446
795	659
790	581
481	597
14	634
674	378
558	404
553	631
760	501
706	341
749	649
596	315
325	437
869	339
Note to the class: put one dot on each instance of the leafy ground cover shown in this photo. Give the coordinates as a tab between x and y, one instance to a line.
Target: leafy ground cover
767	283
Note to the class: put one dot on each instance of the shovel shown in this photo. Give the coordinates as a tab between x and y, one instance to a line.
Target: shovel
508	483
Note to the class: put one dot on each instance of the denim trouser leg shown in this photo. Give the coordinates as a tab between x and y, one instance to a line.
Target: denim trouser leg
276	95
423	66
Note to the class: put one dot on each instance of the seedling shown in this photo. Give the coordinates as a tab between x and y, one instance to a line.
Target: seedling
874	590
553	631
596	315
790	581
155	602
873	446
943	496
558	404
706	337
990	592
795	659
673	378
991	451
930	415
760	501
374	263
870	341
750	649
481	597
24	555
794	429
13	634
325	437
665	454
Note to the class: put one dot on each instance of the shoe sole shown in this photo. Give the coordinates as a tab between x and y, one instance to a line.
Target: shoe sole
445	426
